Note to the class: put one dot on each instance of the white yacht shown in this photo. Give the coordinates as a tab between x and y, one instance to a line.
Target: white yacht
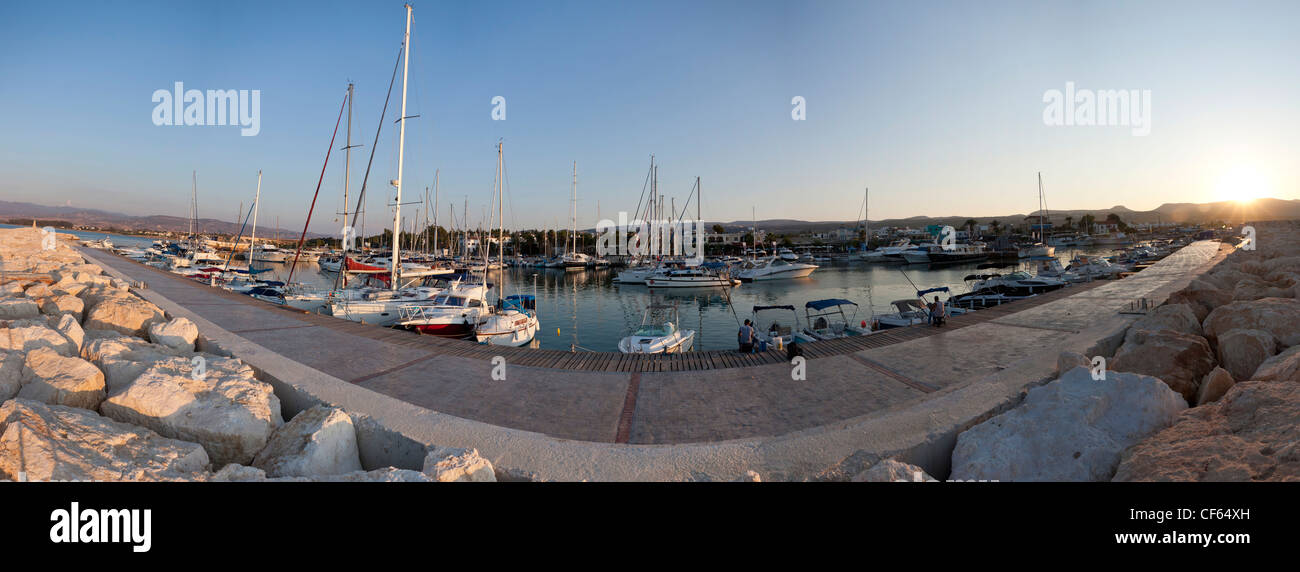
775	268
690	278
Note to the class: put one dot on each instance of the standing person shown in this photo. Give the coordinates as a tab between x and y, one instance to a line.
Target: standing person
745	337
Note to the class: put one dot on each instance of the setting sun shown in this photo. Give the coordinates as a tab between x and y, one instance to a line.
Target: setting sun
1242	184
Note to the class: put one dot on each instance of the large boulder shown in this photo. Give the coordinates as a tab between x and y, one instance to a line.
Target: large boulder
317	441
1251	434
1281	367
37	291
1241	351
1179	360
62	304
41	442
221	406
29	335
128	315
58	380
1256	288
71	329
1277	316
1176	317
18	308
122	358
891	471
1202	297
178	334
1215	385
1071	429
11	374
454	464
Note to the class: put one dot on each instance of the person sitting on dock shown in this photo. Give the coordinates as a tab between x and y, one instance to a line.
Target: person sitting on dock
937	312
746	338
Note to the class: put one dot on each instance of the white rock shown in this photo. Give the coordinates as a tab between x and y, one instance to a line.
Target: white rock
1277	316
122	358
63	304
128	315
179	334
11	374
71	329
58	380
891	471
28	335
1071	429
228	411
1177	317
1284	366
454	464
52	442
18	308
317	441
384	475
1242	350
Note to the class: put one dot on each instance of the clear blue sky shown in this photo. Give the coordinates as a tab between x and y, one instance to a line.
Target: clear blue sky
936	106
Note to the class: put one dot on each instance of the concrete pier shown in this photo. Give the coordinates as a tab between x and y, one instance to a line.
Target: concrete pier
612	417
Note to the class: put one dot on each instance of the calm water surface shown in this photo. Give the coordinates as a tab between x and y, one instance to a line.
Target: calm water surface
586	309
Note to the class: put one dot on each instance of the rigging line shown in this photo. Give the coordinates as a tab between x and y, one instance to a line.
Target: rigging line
235	248
312	208
362	196
644	186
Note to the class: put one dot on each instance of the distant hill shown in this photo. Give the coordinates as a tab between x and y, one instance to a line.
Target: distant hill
156	223
1190	213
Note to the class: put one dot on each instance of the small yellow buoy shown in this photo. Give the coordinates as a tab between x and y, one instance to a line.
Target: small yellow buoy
557	331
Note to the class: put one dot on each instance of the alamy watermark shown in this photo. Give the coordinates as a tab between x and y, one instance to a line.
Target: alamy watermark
180	106
637	238
1107	107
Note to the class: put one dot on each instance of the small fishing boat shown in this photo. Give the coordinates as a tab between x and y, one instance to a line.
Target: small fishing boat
915	311
658	333
773	327
827	320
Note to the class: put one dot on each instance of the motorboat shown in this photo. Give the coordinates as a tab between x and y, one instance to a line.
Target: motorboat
658	333
915	311
958	253
268	253
1037	250
775	268
383	306
827	319
453	313
696	277
1018	283
890	253
920	254
1094	267
787	255
773	327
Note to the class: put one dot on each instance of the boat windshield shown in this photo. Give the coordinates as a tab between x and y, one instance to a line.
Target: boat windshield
654	330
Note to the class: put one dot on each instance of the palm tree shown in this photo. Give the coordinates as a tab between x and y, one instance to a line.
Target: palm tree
970	224
995	225
1069	222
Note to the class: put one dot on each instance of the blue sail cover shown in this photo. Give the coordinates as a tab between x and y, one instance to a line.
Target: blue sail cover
827	303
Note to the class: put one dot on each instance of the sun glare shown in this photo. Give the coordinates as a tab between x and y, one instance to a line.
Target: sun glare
1242	184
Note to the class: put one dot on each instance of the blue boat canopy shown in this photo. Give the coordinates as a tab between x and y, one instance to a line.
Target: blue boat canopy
939	289
758	309
829	302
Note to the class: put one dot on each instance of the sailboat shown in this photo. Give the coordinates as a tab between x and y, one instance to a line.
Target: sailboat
1041	248
574	260
513	320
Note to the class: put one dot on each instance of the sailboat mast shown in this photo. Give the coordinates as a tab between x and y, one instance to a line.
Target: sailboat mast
257	199
573	212
866	218
396	264
436	172
194	202
1041	237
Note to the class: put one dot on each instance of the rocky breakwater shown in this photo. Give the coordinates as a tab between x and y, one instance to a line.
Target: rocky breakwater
1202	388
97	383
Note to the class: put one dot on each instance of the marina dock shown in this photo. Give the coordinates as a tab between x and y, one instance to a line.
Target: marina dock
894	391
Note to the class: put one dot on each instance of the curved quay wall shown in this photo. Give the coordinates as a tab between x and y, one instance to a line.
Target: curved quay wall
712	415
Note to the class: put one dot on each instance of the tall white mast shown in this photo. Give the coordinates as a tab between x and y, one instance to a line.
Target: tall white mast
396	264
435	212
866	218
257	200
573	213
347	160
